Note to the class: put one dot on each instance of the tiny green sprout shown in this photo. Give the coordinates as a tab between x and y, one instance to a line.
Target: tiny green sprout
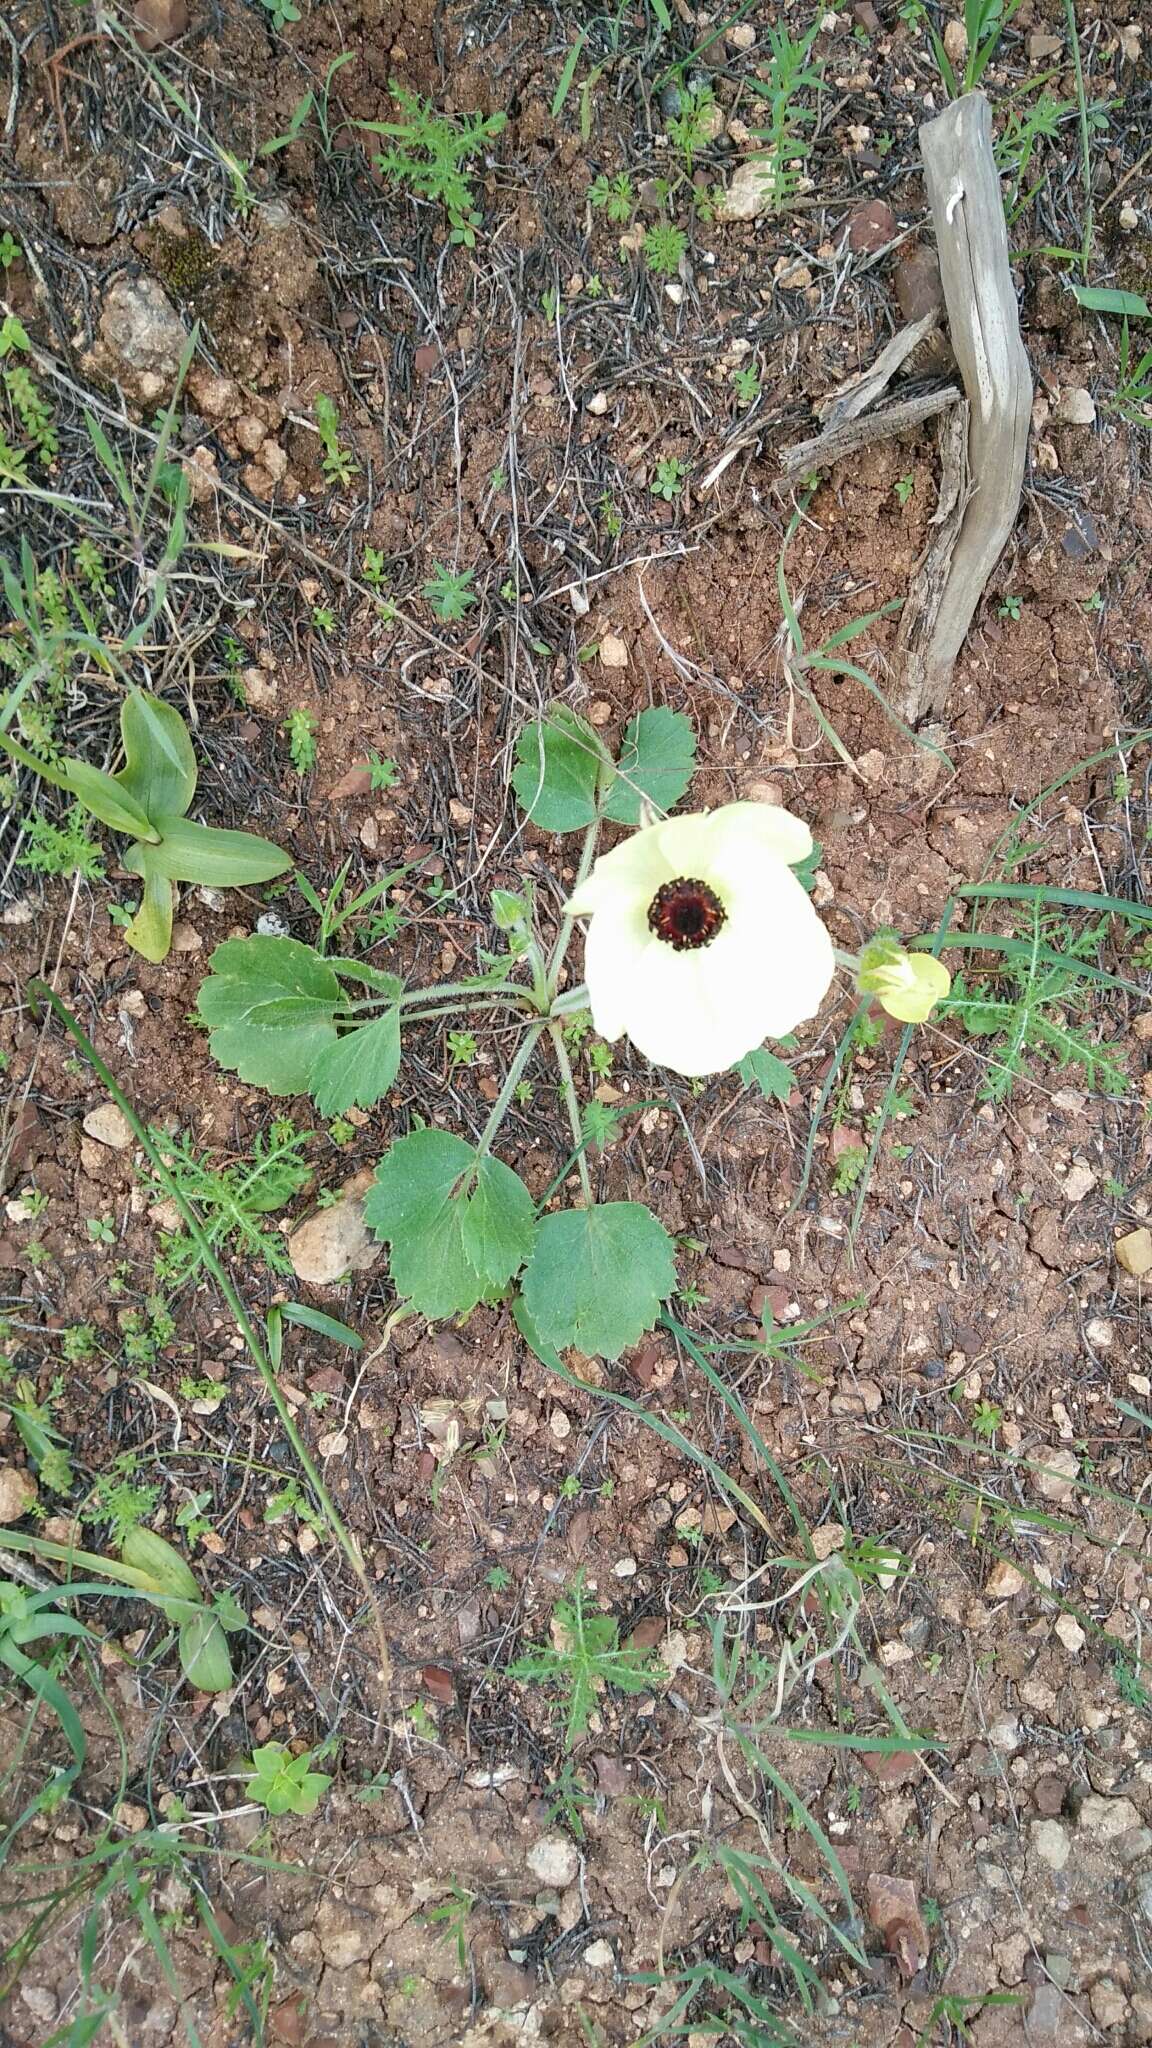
693	1297
200	1390
498	481
300	728
853	1799
613	196
525	1093
323	618
462	1048
34	1201
609	515
569	1487
1095	603
903	487
593	286
664	248
1011	608
341	1131
599	1057
280	13
607	1489
498	1578
283	1783
423	1724
451	597
986	1419
849	1168
746	383
381	774
101	1229
550	302
9	249
669	479
372	568
1115	1189
337	463
78	1342
508	590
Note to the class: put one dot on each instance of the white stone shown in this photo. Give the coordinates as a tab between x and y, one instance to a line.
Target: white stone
1050	1843
109	1126
554	1860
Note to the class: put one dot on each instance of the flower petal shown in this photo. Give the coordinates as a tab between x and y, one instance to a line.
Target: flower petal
636	868
769	827
614	951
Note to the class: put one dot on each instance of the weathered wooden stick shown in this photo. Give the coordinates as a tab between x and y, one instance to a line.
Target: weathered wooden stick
984	323
879	425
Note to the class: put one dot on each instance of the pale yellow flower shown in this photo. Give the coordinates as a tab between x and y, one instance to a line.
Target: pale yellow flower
907	985
702	942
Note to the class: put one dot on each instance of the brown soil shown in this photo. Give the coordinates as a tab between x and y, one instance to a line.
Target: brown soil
981	1281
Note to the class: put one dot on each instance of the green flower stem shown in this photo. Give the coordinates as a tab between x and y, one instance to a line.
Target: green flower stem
349	1012
40	991
568	1090
468	989
560	950
500	1106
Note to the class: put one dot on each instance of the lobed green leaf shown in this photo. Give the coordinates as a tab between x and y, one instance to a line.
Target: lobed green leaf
359	1068
597	1277
656	761
269	1005
559	765
459	1227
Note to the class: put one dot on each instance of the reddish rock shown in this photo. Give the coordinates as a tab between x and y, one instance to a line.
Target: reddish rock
872	227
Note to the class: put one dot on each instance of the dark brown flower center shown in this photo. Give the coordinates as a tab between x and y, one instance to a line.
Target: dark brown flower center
686	913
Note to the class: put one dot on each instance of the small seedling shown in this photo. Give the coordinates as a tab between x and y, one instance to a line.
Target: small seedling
451	597
694	126
669	479
283	1783
61	849
9	250
1011	608
788	76
613	196
451	1917
584	1656
148	801
372	568
609	515
323	618
1040	1006
664	248
300	728
338	464
280	13
903	487
462	1048
746	383
429	152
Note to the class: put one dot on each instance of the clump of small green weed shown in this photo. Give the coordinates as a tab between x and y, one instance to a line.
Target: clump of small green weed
337	462
300	729
429	153
585	1655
